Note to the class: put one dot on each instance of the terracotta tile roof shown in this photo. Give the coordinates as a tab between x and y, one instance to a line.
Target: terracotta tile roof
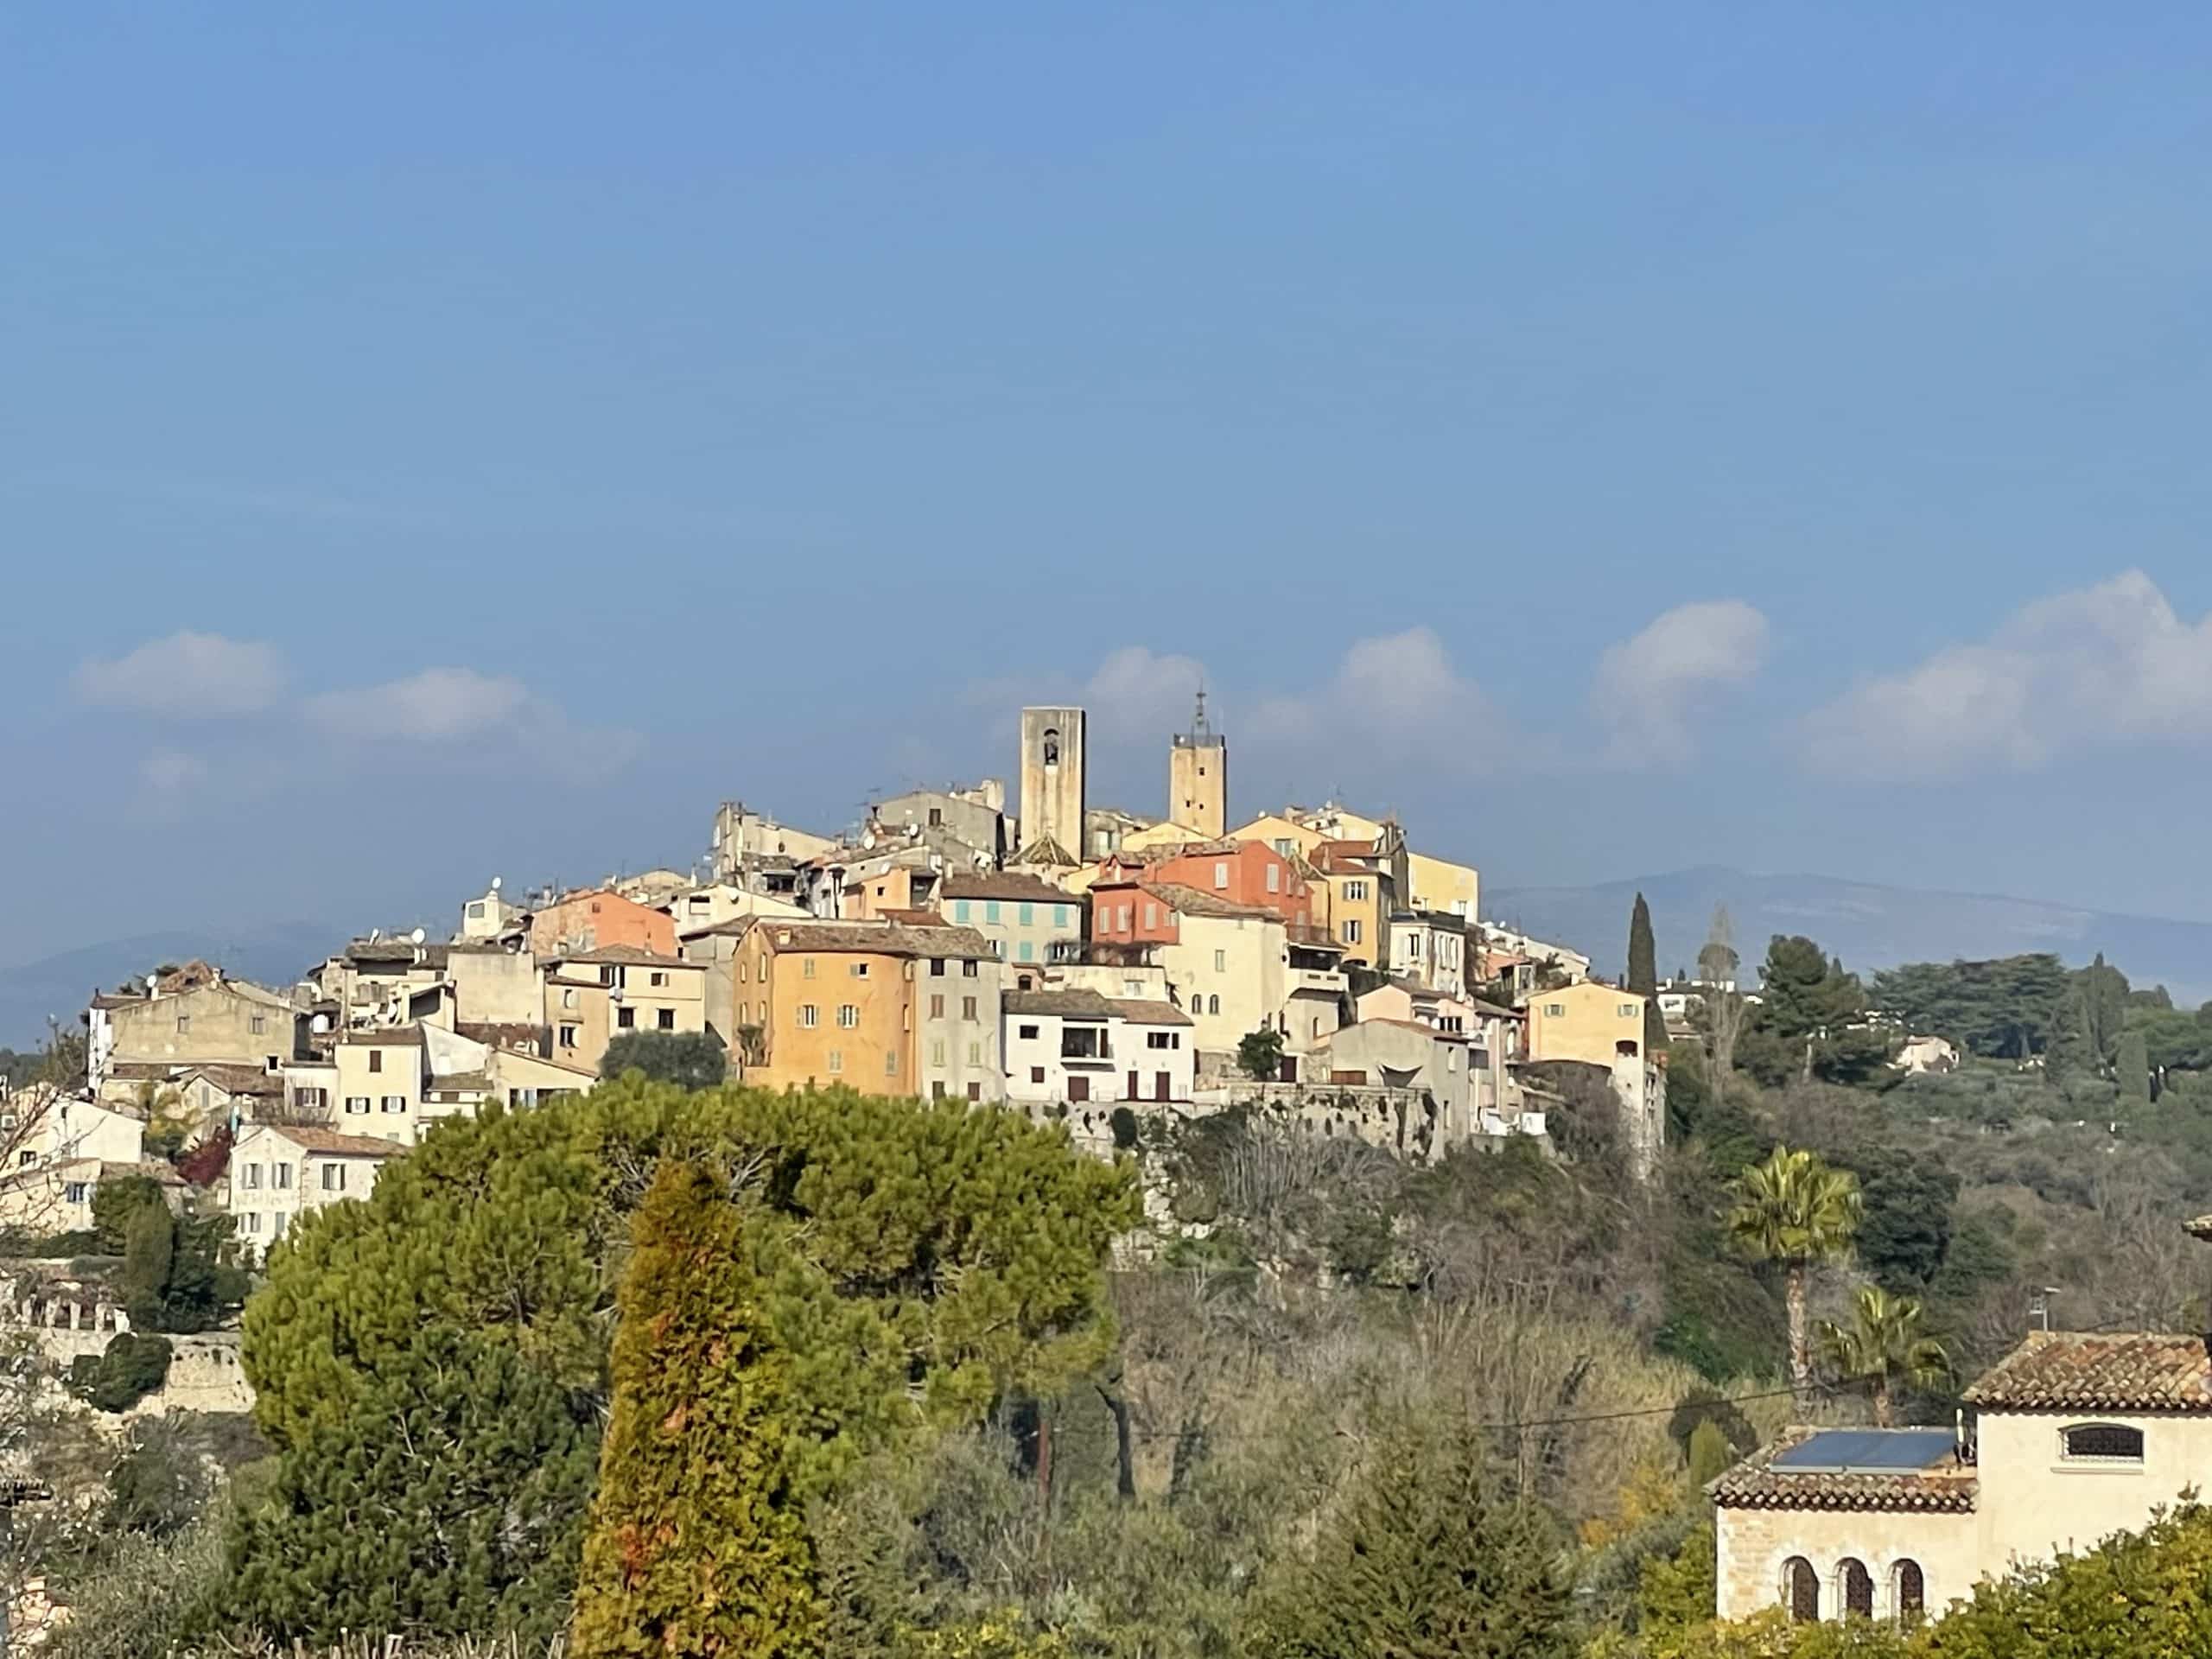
631	955
2064	1370
332	1144
1139	1011
1077	1005
876	938
912	918
383	1037
235	1079
1947	1488
1046	852
461	1083
115	999
1005	884
1189	901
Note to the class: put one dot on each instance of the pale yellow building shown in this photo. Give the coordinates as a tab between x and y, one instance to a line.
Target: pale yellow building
1439	885
1198	777
1598	1025
2074	1438
594	996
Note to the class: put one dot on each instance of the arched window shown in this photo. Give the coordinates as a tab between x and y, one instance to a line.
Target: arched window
1800	1590
1213	1005
2101	1443
1854	1587
1908	1593
1051	746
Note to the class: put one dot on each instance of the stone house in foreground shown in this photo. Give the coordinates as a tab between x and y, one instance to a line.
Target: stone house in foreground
2072	1436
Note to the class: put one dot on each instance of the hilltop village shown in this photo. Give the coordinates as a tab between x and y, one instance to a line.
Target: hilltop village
1075	962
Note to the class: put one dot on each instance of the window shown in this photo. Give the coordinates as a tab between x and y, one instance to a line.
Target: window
311	1099
974	1053
975	1091
1157	1039
1059	915
1026	913
936	1006
1028	952
1125	918
937	1051
280	1177
626	1018
656	978
1801	1591
1036	1074
860	970
2101	1443
968	969
28	1159
848	1015
1282	846
990	909
1855	1588
376	1059
1627	1010
836	1060
76	1193
1908	1591
960	910
356	1105
1052	750
257	1024
967	1008
1151	915
891	1063
1213	1005
333	1178
1354	891
808	1015
1028	1033
1352	931
1274	878
251	1220
937	967
395	1103
568	1036
1555	1010
250	1175
937	817
569	998
183	1024
807	967
1220	873
476	911
664	1019
1221	962
936	1091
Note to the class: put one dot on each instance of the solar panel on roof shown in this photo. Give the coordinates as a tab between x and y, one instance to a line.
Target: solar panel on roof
1866	1451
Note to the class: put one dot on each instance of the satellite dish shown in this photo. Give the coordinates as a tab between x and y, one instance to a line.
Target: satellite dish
417	936
495	884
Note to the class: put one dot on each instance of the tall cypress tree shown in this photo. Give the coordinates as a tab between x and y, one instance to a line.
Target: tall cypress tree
694	1545
1643	976
2132	1067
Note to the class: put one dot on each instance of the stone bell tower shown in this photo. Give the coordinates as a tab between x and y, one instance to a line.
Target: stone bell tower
1052	777
1198	777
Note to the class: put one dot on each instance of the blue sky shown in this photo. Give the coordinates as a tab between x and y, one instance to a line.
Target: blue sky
447	440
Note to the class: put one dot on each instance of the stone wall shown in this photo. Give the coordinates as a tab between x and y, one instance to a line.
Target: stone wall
1754	1546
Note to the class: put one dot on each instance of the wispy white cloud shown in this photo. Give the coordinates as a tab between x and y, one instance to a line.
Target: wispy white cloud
1648	686
187	676
1388	691
437	705
2108	663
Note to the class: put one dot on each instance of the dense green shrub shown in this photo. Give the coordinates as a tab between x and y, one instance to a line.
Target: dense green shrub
132	1366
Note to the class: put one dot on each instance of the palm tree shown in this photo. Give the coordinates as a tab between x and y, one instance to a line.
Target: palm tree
1795	1209
1884	1340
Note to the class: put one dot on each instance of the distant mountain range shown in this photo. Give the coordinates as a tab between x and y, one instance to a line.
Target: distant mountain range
60	985
1868	926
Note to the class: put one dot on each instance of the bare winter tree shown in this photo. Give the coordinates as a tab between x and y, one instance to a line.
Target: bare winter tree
1718	964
